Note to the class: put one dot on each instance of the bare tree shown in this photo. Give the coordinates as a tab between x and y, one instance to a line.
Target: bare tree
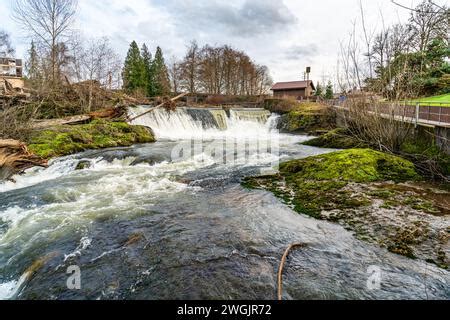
385	127
428	23
223	70
175	74
350	54
6	48
367	38
48	22
189	68
98	64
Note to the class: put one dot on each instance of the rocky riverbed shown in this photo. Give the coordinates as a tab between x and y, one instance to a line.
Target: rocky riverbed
378	197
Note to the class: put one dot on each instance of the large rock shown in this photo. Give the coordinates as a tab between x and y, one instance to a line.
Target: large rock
336	139
307	118
318	183
68	139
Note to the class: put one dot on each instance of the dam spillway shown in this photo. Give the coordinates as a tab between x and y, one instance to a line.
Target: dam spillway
200	122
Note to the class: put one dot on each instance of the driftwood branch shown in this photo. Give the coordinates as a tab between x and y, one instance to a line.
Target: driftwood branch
281	268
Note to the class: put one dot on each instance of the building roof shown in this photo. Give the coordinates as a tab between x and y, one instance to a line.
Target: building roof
293	85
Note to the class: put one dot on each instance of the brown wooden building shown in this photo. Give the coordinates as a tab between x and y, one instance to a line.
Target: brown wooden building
297	89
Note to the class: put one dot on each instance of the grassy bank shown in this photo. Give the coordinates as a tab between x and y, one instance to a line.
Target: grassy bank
374	195
68	139
439	101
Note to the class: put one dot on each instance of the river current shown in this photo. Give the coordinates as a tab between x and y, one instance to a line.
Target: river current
156	222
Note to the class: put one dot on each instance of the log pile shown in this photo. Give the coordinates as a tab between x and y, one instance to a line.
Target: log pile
9	95
118	112
15	158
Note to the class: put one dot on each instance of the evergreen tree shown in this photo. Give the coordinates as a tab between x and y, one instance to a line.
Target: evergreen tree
133	71
147	74
32	64
329	94
319	90
161	83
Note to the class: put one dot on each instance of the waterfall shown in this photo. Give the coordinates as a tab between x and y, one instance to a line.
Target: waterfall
252	115
193	123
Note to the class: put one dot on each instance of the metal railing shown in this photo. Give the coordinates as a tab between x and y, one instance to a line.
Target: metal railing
430	112
417	113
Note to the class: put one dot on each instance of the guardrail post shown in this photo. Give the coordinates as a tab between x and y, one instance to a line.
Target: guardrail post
417	114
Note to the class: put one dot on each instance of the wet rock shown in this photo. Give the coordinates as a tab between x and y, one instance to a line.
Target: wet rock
151	160
83	164
134	238
336	139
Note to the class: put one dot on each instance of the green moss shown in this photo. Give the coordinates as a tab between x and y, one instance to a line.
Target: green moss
354	165
300	121
306	117
421	205
388	204
341	186
402	249
336	139
317	183
65	140
382	194
422	148
432	153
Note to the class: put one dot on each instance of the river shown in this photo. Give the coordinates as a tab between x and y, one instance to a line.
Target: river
148	222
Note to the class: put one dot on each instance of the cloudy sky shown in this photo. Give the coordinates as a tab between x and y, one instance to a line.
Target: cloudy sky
285	35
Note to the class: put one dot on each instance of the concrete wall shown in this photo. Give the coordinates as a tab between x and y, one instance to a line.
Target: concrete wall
443	138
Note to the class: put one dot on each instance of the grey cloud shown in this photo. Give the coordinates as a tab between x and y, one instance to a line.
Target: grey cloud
248	19
301	52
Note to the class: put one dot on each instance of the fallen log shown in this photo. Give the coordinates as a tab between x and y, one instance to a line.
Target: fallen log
42	124
158	106
119	111
16	158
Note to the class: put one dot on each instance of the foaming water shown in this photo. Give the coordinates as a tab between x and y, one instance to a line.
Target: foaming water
143	225
57	168
181	125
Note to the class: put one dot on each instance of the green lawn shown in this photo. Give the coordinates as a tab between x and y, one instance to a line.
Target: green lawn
442	100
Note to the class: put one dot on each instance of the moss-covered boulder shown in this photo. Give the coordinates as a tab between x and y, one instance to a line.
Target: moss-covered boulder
318	183
354	165
66	139
336	139
306	117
